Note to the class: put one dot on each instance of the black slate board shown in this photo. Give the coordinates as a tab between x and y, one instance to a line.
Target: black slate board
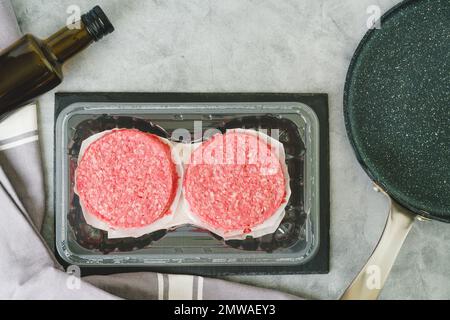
318	102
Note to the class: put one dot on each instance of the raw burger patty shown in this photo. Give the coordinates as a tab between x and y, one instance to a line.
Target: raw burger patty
127	179
234	182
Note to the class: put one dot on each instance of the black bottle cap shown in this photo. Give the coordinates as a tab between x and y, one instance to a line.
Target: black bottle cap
97	23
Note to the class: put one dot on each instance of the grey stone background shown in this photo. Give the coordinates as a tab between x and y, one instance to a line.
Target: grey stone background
253	46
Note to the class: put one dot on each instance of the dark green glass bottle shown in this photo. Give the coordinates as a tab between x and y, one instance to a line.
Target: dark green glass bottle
31	66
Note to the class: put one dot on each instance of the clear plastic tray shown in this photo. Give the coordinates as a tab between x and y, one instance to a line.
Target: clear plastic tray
295	242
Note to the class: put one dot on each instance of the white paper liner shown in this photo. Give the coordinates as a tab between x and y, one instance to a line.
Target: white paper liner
117	233
181	213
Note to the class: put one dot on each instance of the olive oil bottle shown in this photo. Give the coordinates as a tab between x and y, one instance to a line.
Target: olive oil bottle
31	66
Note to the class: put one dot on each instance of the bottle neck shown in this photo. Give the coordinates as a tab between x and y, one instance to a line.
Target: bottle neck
69	41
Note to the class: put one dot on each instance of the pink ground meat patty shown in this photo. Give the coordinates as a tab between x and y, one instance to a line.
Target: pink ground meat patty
127	179
235	182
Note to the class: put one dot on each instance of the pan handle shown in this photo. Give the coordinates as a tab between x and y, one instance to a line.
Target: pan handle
370	281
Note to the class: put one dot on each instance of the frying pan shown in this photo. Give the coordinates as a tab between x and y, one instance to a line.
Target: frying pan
397	115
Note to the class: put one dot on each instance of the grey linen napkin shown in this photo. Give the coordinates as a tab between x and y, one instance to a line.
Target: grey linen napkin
18	130
28	268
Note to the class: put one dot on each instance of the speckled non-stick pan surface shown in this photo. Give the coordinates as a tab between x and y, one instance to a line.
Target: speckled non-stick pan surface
397	106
